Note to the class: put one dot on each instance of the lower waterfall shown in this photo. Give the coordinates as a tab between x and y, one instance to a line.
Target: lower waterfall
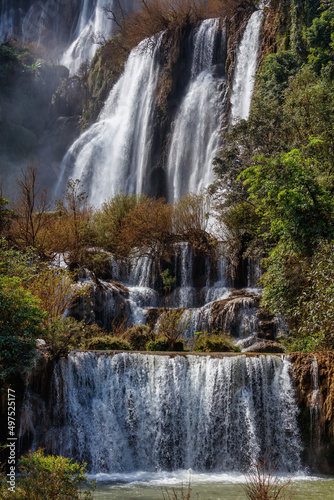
129	412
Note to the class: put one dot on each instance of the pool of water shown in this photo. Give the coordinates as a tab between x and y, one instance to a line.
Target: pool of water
155	486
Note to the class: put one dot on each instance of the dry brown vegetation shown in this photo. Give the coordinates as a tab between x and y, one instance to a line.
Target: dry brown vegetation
262	482
125	225
154	16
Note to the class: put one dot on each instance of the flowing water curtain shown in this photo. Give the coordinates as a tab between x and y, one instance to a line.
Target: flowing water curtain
74	29
113	155
243	83
93	26
144	412
195	133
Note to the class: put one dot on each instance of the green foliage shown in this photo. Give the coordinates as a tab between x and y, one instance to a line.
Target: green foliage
276	174
51	477
138	336
20	324
172	325
6	215
163	344
168	281
275	73
320	39
14	263
107	343
214	343
63	335
313	314
112	218
289	194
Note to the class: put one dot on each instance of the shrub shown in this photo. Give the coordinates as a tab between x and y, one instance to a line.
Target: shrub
139	336
163	344
171	325
263	484
20	324
50	477
98	262
214	343
65	334
107	343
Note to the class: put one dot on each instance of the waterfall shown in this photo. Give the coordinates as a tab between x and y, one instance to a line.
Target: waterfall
113	155
131	412
6	19
195	137
73	29
93	24
243	84
116	154
315	405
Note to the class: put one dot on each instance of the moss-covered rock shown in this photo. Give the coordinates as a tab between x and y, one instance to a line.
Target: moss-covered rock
162	344
138	337
215	343
108	343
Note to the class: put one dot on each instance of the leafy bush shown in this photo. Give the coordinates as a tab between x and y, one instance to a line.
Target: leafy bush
163	344
107	343
49	477
98	262
63	335
171	325
214	343
139	336
20	325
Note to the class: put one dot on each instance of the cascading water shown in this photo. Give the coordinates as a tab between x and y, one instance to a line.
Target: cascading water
73	29
195	137
93	24
112	156
132	412
7	14
116	153
243	84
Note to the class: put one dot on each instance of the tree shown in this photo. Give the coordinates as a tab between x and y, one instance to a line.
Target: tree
20	324
289	193
6	216
72	232
30	209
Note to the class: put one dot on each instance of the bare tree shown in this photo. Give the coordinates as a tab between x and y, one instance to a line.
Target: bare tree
116	13
30	208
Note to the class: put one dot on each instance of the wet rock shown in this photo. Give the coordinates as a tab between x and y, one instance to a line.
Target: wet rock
265	346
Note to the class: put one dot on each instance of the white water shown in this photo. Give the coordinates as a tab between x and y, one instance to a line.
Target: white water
243	84
6	19
40	17
93	24
195	137
135	412
112	156
116	153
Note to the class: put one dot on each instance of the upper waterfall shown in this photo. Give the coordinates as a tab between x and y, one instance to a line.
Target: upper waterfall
113	155
93	24
131	412
121	151
195	137
70	31
243	83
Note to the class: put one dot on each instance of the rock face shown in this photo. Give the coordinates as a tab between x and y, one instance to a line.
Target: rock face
314	379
